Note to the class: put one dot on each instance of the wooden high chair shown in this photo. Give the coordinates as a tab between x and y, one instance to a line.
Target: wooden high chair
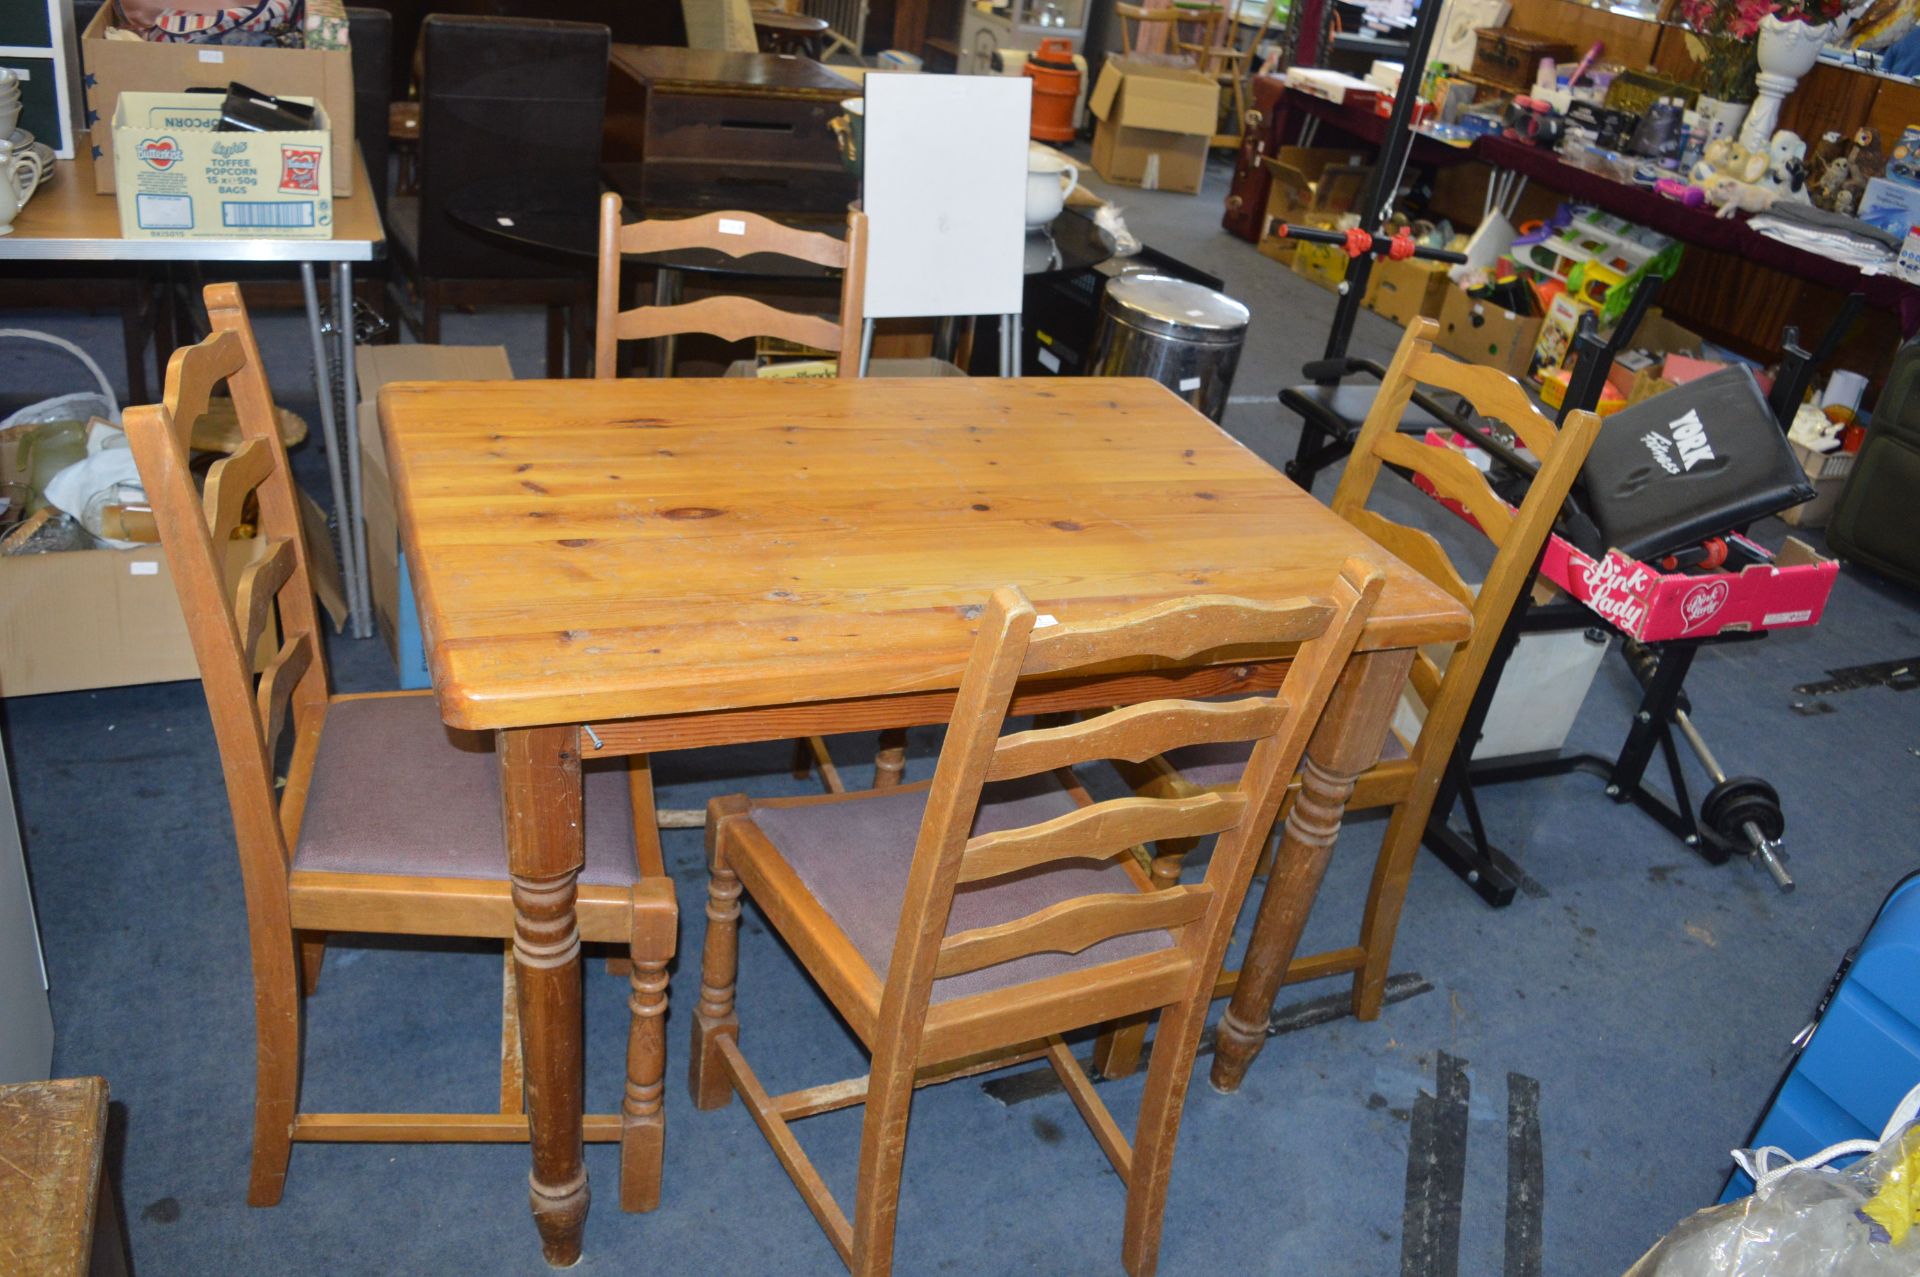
388	821
1408	774
972	920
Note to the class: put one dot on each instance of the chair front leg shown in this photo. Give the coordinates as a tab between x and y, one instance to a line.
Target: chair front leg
313	952
714	1018
642	1121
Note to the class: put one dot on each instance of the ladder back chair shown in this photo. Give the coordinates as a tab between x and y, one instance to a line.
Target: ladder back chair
729	318
734	319
1408	774
970	921
351	843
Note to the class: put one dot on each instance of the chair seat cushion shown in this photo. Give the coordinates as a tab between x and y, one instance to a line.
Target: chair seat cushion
396	791
1341	410
854	856
1210	765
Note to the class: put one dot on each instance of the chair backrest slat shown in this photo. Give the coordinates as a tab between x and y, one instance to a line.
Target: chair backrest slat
289	665
1099	832
1517	534
1452	477
215	359
1492	394
1416	548
260	583
728	318
738	234
1319	631
1135	733
228	622
230	481
733	233
1171	630
1071	926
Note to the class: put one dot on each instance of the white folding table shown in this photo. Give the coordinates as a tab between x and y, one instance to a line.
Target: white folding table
67	221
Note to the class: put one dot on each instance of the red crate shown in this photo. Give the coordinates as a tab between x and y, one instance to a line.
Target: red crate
1650	605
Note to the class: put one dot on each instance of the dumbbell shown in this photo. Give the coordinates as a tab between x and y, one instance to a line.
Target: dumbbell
1740	808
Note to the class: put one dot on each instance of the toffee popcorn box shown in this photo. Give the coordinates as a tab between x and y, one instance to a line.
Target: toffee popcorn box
177	177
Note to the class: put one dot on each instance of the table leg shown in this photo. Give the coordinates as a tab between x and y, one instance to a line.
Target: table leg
330	435
1346	743
890	760
359	600
666	292
540	806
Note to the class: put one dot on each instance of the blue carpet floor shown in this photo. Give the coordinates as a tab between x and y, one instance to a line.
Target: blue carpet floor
1650	995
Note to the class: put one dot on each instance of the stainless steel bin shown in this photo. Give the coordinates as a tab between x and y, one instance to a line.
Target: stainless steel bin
1184	336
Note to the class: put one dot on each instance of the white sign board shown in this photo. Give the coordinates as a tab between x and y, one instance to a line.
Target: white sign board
945	194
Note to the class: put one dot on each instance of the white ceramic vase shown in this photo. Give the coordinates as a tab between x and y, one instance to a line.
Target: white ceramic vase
1719	119
1787	51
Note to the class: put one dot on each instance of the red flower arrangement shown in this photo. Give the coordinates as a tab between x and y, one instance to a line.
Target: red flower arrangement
1722	34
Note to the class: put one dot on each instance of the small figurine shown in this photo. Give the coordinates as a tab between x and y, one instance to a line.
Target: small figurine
1830	147
1732	195
1786	168
1836	180
1865	155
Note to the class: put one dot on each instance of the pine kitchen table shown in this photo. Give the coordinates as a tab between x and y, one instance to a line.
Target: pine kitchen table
626	567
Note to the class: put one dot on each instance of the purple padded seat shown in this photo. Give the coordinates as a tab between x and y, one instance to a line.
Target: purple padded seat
396	791
1210	765
854	857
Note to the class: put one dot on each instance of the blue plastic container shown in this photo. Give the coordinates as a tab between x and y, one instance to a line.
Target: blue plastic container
1864	1055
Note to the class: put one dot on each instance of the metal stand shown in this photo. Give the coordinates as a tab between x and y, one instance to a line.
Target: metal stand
331	369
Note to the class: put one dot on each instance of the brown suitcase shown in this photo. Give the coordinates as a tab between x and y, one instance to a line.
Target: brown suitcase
1510	57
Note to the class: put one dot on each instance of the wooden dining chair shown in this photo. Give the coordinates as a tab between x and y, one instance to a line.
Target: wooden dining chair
372	816
971	920
729	318
1408	773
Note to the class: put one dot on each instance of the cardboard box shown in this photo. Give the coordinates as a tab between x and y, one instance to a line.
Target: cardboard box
115	67
1828	472
388	583
83	619
180	179
1323	264
1659	337
1483	333
1291	191
1155	124
1406	290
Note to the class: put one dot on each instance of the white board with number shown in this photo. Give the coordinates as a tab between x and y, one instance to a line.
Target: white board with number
945	194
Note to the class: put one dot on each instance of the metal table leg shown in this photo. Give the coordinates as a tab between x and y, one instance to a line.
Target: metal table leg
666	292
343	512
359	595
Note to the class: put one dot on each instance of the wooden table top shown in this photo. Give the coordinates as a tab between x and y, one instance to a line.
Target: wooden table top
589	550
68	220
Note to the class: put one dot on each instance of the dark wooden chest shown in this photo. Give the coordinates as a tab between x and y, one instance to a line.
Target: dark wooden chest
700	129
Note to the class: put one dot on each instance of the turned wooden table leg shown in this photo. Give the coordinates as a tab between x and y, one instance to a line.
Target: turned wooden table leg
890	760
540	804
1346	743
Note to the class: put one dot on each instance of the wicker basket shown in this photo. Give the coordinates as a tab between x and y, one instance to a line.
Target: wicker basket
1635	91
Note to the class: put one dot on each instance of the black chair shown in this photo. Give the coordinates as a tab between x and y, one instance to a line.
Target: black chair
370	32
509	108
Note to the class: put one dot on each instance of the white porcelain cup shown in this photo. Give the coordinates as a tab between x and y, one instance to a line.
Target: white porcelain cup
9	116
20	176
1050	179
